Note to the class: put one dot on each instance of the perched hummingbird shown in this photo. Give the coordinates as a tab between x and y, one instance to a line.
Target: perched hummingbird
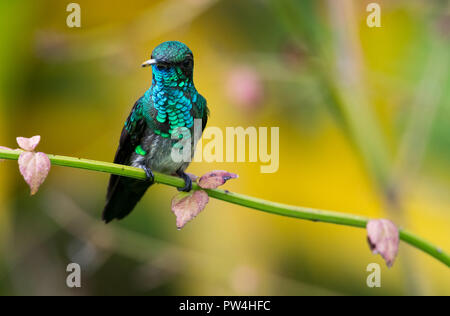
146	142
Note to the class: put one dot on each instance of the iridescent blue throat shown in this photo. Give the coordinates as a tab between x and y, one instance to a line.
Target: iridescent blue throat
172	94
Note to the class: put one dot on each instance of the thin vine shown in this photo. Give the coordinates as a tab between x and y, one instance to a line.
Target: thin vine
299	212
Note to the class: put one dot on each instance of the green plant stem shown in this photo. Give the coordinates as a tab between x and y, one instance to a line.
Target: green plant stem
239	199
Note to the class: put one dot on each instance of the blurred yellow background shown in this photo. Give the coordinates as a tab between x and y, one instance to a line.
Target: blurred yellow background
364	117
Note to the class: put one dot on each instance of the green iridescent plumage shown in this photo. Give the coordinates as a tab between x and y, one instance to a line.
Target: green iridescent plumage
163	115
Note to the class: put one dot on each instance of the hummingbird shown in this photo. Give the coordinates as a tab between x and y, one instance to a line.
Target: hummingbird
152	128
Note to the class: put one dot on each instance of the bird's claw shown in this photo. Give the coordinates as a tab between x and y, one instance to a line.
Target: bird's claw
149	174
187	182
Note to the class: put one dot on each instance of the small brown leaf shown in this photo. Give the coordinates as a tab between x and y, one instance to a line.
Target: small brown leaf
214	179
186	206
28	144
383	238
34	168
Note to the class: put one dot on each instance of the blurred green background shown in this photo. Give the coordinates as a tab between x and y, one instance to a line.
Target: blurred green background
364	117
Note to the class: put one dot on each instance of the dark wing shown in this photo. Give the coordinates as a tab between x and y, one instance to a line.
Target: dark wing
201	110
123	193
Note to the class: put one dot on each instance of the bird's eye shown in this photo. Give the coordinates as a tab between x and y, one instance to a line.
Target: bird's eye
187	63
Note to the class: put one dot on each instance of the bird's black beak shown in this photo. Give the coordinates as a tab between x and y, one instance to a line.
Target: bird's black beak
149	62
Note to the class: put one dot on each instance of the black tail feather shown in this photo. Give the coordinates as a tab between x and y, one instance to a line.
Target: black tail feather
123	195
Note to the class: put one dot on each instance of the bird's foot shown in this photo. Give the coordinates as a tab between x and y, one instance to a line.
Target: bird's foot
187	181
149	174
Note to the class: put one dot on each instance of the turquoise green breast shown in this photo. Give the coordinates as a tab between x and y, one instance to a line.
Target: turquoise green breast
172	97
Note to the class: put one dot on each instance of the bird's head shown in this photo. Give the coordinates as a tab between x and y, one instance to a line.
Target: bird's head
171	59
